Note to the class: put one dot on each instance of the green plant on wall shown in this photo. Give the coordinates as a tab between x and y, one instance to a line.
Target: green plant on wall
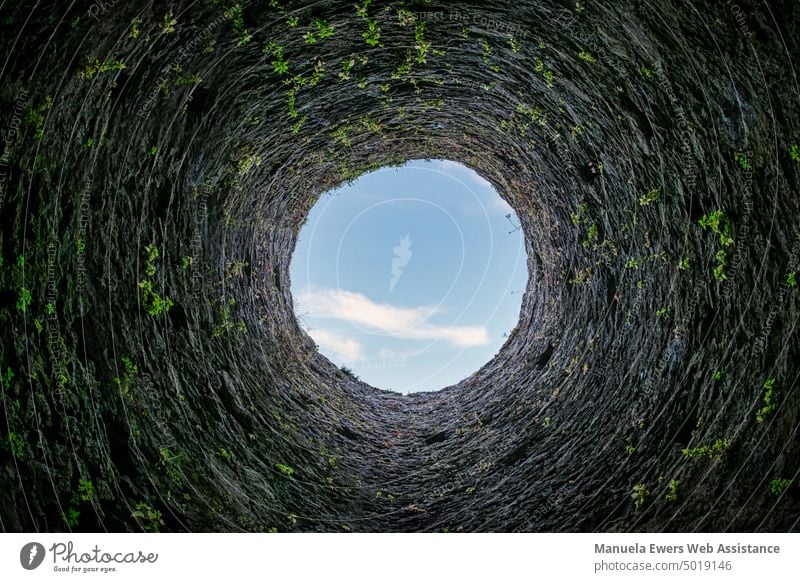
149	518
227	323
279	63
372	36
285	469
713	451
639	494
319	30
95	67
168	23
420	44
153	302
24	299
770	397
718	223
83	494
127	381
650	197
743	160
170	463
136	28
36	117
546	73
672	493
779	486
15	445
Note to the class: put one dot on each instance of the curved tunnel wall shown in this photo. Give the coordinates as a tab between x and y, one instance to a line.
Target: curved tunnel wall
160	161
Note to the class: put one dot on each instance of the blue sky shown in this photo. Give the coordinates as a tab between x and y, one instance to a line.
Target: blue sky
410	276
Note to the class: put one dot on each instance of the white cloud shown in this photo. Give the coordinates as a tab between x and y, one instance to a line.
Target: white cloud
402	322
347	348
358	309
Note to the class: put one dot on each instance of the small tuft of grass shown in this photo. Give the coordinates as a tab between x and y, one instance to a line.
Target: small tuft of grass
639	495
713	451
168	23
153	302
285	469
149	517
95	67
85	490
136	28
743	160
24	299
769	400
718	222
672	494
650	197
779	486
71	517
36	117
15	444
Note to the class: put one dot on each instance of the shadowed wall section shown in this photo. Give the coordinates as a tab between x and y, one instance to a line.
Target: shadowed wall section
160	161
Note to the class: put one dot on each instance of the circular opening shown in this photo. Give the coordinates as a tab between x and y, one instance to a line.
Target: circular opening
410	277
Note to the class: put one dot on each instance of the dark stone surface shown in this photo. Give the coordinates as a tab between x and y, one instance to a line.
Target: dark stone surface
232	421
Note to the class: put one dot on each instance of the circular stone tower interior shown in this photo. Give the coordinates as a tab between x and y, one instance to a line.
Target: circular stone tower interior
160	158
